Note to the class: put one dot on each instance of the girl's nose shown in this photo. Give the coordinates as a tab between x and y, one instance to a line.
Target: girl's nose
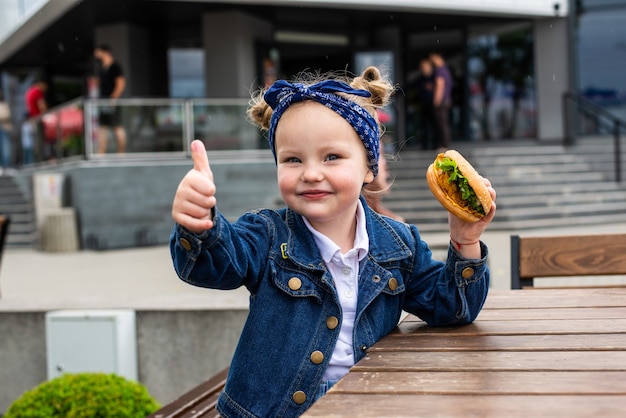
312	173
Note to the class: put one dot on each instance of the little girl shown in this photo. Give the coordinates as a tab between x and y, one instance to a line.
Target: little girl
327	276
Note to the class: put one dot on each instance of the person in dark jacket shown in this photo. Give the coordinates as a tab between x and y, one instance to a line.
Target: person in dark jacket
442	101
111	85
426	88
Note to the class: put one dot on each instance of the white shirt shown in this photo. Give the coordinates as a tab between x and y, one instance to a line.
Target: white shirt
344	269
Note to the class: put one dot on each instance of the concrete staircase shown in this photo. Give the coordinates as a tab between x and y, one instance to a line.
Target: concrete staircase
19	207
538	185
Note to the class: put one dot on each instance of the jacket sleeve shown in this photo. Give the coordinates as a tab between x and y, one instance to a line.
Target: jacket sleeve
450	293
227	256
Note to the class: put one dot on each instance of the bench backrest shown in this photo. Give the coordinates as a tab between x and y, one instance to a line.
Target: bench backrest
566	255
4	230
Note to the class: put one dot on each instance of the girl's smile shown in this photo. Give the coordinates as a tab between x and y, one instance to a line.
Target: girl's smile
314	194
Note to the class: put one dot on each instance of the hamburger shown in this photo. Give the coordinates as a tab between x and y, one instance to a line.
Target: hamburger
458	186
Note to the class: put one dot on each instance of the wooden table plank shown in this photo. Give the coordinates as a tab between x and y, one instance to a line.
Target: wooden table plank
446	406
568	342
548	313
519	314
547	326
492	361
484	383
549	298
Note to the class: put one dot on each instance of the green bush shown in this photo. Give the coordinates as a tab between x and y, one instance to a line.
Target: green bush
84	395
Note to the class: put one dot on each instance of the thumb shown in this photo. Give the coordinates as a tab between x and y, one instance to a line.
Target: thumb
199	157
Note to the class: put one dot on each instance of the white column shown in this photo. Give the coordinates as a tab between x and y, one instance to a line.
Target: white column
230	48
551	75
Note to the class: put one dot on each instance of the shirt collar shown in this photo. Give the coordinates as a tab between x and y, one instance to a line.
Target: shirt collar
328	249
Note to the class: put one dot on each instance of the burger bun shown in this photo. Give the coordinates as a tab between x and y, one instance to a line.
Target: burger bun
446	193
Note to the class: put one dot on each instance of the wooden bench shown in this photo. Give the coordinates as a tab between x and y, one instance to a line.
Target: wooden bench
199	402
566	256
4	231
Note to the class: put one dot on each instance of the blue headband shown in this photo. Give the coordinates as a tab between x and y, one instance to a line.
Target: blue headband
283	94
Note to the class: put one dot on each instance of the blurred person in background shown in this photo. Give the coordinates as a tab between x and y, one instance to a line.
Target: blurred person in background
442	101
36	105
28	137
111	85
426	90
5	133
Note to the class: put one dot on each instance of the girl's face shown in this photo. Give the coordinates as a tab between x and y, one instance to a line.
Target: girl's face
322	165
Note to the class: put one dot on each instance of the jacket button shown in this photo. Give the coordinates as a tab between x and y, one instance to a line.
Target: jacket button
363	347
332	322
185	244
393	283
317	357
376	278
299	397
467	272
294	283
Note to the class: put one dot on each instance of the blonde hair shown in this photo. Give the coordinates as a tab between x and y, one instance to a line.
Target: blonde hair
260	113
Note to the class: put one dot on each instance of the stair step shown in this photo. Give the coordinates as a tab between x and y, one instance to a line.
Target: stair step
11	208
416	188
602	208
22	217
18	206
21	228
21	240
566	199
557	222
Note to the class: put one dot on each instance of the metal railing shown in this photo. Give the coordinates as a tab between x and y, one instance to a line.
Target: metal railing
153	128
583	117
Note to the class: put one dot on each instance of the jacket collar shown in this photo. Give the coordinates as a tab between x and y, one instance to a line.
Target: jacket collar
384	243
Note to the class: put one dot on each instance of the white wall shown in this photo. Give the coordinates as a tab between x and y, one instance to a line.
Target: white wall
229	44
492	7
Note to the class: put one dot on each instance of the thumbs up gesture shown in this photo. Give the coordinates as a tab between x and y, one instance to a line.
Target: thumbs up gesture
195	195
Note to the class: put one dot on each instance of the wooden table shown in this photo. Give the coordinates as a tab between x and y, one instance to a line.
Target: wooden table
530	353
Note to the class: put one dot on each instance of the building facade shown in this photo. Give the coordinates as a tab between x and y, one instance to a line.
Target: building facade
226	49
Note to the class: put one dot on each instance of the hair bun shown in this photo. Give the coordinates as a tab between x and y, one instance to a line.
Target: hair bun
372	81
371	73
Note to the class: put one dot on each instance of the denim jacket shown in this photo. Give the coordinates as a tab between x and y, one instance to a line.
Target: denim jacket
294	317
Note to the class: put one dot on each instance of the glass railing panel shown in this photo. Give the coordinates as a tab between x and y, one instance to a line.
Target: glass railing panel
222	124
148	126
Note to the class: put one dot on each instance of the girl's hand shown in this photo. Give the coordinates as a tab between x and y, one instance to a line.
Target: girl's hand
466	235
195	196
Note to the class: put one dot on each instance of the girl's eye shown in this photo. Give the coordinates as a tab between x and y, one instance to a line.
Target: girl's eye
292	160
332	157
